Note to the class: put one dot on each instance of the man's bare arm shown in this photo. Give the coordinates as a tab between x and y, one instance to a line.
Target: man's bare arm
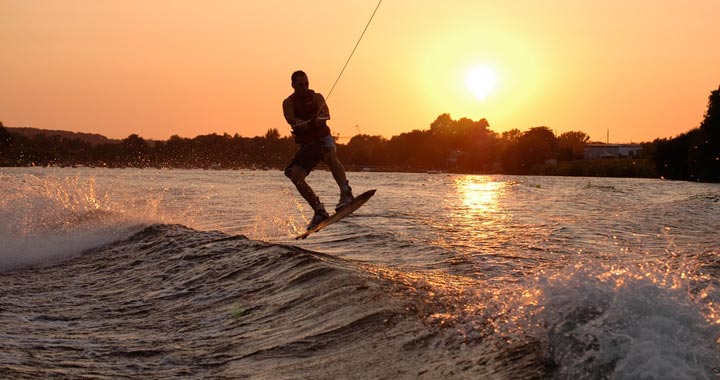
289	113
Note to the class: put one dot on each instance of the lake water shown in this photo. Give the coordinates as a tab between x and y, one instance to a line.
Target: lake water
195	274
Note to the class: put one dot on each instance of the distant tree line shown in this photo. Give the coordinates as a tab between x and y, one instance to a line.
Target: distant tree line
204	151
460	145
463	146
694	155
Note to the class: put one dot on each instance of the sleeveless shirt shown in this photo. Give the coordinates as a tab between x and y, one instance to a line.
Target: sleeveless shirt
305	108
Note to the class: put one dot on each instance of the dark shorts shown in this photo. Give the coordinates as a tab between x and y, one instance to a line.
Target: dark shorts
309	155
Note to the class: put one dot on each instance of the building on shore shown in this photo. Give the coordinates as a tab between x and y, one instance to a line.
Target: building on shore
593	151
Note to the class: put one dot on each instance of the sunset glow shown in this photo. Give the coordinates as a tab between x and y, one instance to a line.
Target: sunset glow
642	70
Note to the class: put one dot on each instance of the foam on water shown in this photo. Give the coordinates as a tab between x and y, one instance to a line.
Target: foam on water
588	320
627	322
48	219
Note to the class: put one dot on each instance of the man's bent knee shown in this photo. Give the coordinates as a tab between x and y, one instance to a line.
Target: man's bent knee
296	174
330	157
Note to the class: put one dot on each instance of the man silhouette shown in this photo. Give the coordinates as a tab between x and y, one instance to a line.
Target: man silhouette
306	112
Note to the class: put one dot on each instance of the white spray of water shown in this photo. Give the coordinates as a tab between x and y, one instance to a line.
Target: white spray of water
593	320
628	322
47	219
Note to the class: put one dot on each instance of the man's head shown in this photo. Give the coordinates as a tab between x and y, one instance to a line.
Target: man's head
299	81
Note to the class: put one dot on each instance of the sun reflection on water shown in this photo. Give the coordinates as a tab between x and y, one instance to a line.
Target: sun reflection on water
473	214
479	195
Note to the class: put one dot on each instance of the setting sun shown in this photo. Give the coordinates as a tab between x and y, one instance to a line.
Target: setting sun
481	81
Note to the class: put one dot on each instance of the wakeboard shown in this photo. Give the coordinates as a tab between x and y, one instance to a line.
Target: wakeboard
343	212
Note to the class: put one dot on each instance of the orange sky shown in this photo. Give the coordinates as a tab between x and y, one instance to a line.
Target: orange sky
641	68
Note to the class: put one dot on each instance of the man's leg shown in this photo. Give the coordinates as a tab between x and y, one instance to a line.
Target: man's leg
338	172
336	168
297	175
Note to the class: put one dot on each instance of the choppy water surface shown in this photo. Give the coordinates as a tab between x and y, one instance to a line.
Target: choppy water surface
195	274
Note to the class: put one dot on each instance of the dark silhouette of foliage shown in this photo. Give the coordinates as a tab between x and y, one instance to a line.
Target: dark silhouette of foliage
537	145
366	150
571	145
460	145
524	152
671	156
6	146
135	152
694	155
704	154
463	145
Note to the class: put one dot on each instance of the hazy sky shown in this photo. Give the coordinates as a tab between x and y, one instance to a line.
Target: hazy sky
641	68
